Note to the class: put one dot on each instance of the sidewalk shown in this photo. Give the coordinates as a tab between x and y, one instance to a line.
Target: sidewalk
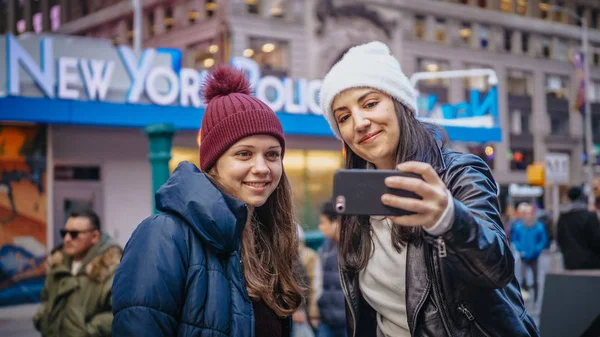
16	321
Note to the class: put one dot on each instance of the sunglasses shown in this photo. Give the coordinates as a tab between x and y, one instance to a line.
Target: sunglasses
73	234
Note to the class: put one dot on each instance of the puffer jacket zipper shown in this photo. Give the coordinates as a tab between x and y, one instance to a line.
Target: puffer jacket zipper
441	253
471	319
349	300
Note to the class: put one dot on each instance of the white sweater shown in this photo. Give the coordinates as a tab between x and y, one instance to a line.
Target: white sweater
383	281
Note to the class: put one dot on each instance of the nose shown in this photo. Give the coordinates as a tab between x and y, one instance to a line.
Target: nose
360	122
260	165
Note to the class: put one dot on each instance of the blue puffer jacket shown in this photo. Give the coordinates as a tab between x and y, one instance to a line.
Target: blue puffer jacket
181	273
529	241
331	302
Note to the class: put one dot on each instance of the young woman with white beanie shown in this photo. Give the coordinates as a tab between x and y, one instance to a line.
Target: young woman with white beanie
446	270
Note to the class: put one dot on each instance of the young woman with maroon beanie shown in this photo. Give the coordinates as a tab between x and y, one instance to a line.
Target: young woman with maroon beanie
217	259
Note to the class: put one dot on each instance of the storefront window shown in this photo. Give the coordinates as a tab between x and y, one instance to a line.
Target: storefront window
273	56
311	176
466	33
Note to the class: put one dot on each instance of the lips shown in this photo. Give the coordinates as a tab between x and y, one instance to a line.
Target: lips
369	136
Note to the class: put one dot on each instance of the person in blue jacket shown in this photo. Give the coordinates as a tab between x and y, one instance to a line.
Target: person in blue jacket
529	237
218	259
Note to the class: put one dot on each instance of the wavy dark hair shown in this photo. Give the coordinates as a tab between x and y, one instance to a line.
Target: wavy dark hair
269	250
419	141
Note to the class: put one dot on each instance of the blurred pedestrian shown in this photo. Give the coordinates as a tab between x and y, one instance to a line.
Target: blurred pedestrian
76	298
530	239
331	303
445	270
314	270
578	233
217	260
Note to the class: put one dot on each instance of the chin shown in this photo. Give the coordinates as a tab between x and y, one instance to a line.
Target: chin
256	202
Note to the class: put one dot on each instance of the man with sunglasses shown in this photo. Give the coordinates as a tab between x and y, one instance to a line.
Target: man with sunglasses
77	297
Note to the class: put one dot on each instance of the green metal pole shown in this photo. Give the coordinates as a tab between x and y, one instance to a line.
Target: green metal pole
161	140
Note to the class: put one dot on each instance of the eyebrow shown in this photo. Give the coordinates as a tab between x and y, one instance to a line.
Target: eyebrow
248	146
360	99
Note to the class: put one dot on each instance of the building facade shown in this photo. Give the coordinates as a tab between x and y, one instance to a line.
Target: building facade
528	44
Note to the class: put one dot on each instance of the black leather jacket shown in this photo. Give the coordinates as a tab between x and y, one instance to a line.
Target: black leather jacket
461	283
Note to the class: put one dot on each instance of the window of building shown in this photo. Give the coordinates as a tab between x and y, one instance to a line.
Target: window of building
479	83
252	6
559	125
433	65
520	159
483	36
506	6
522	7
169	21
594	22
560	16
466	33
211	7
130	32
193	16
557	85
594	92
561	52
206	55
508	40
273	56
519	83
525	42
520	122
546	47
483	3
278	9
544	9
419	27
580	10
440	30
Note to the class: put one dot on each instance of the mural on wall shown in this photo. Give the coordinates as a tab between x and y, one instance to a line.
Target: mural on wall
23	213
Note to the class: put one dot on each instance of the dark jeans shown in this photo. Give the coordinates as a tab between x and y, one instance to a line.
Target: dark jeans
327	331
533	264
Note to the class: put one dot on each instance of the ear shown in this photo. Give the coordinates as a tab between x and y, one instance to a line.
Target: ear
96	236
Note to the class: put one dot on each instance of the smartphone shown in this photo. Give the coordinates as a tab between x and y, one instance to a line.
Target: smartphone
358	192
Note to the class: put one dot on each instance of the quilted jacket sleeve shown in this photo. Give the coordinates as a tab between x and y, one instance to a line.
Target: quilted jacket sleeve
476	244
149	285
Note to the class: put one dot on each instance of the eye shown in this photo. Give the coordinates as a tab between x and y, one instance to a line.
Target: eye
244	154
273	154
370	105
343	118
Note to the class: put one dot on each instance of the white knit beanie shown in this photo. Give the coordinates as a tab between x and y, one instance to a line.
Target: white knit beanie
369	65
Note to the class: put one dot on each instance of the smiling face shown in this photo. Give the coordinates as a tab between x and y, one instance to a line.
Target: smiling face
368	123
251	169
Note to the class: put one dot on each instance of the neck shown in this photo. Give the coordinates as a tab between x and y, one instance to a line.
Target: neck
389	164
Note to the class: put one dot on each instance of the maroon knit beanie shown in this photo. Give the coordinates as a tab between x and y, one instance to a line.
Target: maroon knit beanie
232	114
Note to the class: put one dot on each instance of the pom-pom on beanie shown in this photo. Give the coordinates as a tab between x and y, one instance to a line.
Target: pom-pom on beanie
231	114
369	65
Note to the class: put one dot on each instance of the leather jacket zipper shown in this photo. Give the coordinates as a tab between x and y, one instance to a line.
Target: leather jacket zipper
471	319
351	305
436	285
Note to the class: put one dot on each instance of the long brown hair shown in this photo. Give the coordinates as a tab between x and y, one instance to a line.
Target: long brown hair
419	141
269	249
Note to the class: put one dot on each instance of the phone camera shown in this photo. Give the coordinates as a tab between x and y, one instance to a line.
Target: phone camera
340	204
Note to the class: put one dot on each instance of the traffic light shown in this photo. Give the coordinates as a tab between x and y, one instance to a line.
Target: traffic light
535	174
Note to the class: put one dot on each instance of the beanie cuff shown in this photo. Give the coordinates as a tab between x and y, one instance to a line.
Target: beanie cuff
235	127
